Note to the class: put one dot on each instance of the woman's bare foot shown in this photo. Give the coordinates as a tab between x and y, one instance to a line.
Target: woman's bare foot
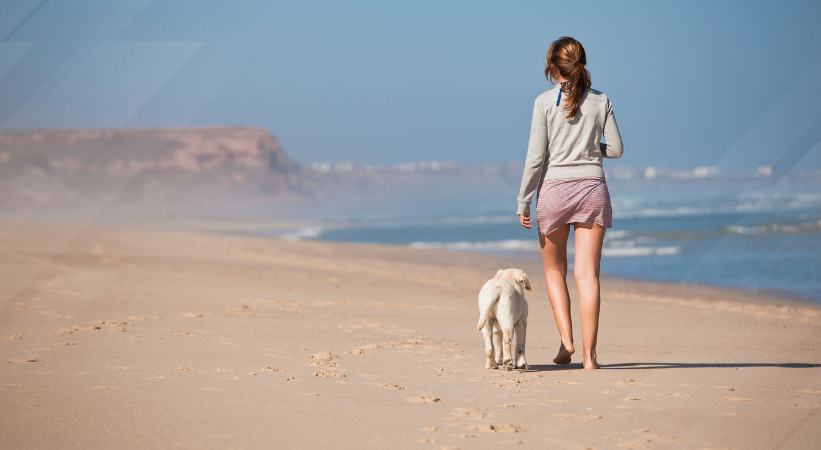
590	363
563	357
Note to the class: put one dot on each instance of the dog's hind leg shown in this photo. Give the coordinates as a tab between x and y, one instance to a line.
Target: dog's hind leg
487	334
504	317
507	338
521	338
497	342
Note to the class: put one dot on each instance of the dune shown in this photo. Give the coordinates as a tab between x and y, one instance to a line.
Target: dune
127	337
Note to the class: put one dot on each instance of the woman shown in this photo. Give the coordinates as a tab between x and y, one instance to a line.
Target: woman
564	164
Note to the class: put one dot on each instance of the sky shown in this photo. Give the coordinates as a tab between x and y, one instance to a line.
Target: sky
732	84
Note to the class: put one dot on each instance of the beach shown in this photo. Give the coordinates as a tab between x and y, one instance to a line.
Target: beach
143	338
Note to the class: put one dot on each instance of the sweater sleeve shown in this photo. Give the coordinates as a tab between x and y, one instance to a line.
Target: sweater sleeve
612	146
536	154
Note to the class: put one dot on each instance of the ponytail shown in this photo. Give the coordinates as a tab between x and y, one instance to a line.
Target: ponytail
566	57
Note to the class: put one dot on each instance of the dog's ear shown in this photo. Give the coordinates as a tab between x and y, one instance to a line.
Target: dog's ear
522	278
499	273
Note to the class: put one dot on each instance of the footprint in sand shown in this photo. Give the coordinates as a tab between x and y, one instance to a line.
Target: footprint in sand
55	313
242	310
630	382
810	391
736	398
579	418
110	325
63	344
142	318
358	324
513	383
22	361
677	394
265	308
479	413
646	439
326	365
365	349
412	345
183	333
425	399
329	373
325	359
393	386
498	428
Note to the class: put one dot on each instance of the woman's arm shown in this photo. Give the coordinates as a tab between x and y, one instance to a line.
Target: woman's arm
536	154
612	146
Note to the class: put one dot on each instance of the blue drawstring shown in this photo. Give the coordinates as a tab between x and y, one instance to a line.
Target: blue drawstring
559	98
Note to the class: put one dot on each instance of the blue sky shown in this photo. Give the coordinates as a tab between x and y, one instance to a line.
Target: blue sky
733	84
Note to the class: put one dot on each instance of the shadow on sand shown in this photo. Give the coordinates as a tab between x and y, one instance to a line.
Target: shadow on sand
670	365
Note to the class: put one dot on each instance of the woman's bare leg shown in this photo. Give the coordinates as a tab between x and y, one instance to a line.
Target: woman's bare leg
586	262
554	260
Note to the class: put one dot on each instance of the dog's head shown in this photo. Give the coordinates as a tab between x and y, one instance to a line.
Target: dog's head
515	275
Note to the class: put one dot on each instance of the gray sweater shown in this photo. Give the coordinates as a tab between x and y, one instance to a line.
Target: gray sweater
561	148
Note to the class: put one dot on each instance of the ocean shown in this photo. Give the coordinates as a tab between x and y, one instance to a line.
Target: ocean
757	234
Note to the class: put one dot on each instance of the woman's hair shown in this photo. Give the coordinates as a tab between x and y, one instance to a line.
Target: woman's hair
566	57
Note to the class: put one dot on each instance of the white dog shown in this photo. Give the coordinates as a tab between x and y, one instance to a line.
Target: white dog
503	310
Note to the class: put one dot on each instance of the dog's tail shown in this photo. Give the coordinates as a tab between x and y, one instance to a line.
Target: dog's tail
482	320
483	314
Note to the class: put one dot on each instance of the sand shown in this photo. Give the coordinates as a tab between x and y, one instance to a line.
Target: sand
134	338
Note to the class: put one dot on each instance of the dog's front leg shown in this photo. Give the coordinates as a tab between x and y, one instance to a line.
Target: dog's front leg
487	334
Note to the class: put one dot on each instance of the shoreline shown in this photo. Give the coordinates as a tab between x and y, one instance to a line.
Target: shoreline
294	230
255	230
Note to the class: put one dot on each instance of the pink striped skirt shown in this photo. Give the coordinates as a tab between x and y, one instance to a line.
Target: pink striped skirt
568	200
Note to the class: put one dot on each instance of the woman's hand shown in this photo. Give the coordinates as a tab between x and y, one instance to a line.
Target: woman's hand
524	220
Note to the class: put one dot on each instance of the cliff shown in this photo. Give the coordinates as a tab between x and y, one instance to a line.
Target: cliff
60	168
